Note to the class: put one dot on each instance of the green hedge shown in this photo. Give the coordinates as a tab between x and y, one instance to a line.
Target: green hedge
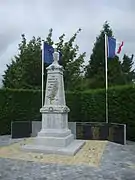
88	106
18	105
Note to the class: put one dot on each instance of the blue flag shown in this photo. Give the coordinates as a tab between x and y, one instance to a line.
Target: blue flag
48	53
111	47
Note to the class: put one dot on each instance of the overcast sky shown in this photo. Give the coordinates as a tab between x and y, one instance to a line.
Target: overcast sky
36	17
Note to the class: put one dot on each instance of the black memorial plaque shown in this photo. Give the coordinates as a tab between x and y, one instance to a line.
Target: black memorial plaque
87	132
117	133
21	129
95	132
79	131
101	131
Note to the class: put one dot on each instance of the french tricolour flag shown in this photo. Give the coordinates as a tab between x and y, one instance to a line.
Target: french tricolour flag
114	47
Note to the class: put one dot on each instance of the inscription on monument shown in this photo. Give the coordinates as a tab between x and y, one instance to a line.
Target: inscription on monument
51	82
52	88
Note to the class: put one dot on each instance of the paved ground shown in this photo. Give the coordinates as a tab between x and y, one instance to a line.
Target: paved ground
90	154
117	163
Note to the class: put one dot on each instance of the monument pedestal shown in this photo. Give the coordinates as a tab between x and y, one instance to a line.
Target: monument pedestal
71	149
55	137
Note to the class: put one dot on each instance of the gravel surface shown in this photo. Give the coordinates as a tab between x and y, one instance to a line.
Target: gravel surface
117	163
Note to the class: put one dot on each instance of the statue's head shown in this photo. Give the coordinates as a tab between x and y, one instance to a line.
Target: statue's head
55	56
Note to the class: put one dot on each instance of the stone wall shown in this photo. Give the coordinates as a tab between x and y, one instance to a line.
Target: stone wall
87	131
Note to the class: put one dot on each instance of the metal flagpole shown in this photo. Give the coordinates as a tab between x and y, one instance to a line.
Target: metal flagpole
106	78
42	73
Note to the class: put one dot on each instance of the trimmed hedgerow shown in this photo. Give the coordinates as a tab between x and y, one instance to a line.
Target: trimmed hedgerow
85	106
18	105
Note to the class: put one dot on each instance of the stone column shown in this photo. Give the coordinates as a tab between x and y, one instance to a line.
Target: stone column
55	112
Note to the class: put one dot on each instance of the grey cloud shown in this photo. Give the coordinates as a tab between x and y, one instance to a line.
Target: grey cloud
132	5
11	21
127	35
34	17
123	5
7	38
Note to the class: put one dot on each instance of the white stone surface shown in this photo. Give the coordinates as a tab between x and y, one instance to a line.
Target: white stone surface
55	135
71	149
37	125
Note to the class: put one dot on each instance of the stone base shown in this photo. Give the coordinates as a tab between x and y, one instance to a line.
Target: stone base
71	149
54	141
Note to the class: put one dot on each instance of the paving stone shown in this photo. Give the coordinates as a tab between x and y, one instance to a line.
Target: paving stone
117	163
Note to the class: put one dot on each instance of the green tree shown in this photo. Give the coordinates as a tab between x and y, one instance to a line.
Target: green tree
25	68
127	68
95	70
72	62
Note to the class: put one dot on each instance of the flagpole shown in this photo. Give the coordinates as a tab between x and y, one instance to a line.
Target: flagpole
106	79
42	73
